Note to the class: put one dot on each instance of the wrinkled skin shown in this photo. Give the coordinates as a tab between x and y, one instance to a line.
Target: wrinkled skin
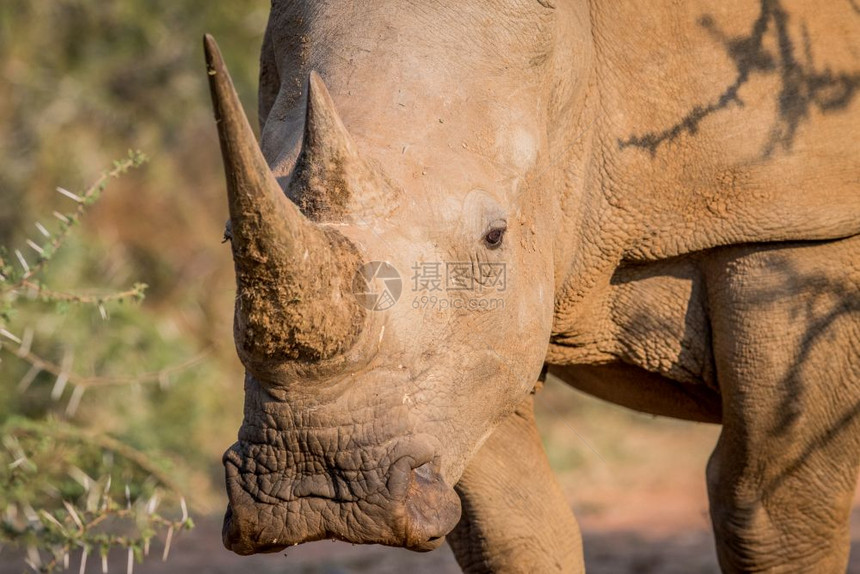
678	191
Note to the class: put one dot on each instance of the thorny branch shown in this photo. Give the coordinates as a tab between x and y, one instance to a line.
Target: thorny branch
96	521
13	282
159	376
39	459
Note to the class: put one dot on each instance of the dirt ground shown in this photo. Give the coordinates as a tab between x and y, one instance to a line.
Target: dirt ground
636	484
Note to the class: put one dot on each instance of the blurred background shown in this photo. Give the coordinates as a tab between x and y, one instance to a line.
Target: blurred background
82	82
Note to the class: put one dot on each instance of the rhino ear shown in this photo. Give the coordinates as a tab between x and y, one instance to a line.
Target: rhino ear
331	181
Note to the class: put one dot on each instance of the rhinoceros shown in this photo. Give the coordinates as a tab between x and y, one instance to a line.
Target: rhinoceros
661	198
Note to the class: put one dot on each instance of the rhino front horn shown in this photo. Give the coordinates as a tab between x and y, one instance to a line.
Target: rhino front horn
331	180
293	278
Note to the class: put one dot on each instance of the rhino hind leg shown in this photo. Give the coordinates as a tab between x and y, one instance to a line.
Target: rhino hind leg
786	335
515	516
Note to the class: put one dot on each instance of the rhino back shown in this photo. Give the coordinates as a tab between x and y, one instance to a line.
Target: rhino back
726	124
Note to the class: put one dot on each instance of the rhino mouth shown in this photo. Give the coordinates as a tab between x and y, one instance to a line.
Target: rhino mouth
408	505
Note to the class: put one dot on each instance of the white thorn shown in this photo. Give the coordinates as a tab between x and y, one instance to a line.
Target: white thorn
83	568
22	261
74	514
167	542
70	195
36	247
51	518
61	217
130	567
10	336
33	558
42	229
107	489
75	401
29	377
30	514
63	378
81	477
60	385
24	349
152	504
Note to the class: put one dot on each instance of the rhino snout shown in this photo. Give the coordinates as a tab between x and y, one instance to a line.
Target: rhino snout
415	509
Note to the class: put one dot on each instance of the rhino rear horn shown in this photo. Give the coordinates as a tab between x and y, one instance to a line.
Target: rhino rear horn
293	278
331	180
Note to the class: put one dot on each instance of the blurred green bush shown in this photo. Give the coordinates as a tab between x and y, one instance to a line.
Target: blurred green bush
86	80
82	82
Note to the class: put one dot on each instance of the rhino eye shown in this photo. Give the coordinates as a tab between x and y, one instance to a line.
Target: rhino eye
494	237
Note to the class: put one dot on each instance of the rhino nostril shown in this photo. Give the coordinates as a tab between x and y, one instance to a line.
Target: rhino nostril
432	509
425	472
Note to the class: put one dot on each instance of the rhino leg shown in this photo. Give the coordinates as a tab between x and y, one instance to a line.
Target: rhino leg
515	517
786	332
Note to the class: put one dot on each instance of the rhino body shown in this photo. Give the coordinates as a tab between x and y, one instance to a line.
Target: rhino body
673	192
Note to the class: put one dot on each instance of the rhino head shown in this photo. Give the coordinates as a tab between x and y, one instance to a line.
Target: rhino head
360	417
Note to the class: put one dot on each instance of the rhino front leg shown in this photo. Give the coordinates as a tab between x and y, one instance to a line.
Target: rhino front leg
515	517
786	331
